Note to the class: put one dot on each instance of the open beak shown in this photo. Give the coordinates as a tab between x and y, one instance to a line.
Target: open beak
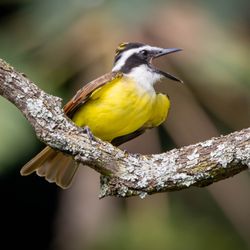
162	52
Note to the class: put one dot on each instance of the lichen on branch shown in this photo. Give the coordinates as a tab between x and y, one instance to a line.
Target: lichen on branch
125	174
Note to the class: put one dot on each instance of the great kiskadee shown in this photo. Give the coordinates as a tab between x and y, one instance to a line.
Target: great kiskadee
116	107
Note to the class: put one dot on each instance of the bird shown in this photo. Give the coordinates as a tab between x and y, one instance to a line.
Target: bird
116	107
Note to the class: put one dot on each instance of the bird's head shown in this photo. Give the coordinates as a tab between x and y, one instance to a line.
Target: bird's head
136	59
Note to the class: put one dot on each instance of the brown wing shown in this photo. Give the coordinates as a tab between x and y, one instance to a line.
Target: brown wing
84	93
124	138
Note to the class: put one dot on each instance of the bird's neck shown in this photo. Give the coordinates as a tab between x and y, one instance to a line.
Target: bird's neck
144	76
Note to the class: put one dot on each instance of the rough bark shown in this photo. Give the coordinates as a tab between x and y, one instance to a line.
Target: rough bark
125	174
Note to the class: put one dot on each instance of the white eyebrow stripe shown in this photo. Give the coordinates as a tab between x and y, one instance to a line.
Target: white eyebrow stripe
125	55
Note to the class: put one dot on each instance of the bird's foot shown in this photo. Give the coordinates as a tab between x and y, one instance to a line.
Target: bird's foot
90	135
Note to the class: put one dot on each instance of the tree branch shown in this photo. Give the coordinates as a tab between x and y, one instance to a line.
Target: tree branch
125	174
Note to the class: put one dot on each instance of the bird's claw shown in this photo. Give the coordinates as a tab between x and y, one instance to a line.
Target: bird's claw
90	135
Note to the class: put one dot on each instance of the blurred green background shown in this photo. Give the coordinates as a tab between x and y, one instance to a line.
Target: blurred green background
62	45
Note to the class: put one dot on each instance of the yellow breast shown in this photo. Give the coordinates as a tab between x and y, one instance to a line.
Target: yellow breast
120	108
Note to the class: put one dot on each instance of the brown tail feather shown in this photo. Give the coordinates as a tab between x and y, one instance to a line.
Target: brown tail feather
54	166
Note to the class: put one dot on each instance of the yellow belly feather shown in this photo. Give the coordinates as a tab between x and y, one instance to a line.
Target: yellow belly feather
121	107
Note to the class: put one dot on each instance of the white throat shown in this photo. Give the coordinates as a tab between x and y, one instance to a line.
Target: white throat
144	76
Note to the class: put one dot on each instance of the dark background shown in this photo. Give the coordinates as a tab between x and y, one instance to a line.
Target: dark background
62	45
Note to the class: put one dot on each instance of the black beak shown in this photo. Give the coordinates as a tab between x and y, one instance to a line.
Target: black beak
162	52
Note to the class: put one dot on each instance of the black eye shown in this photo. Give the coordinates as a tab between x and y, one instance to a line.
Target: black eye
144	52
